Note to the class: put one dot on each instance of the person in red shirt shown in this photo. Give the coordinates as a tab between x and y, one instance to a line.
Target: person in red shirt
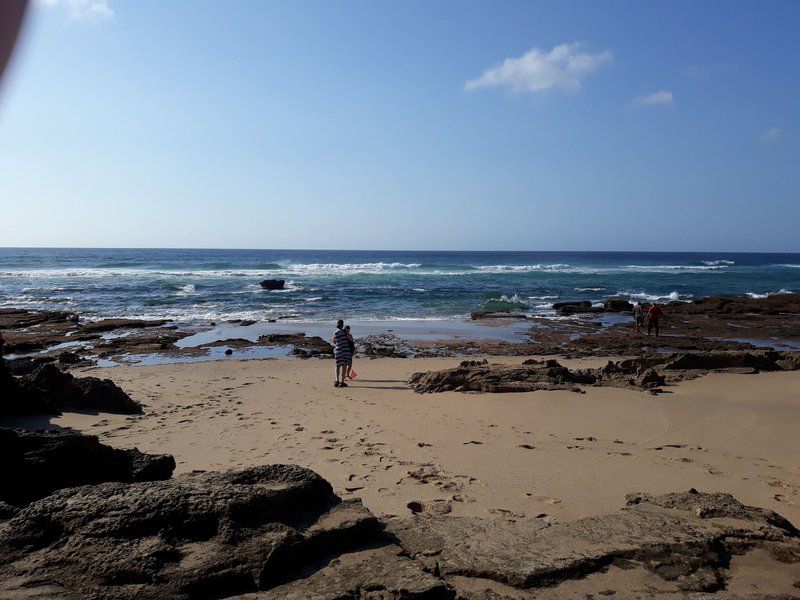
653	315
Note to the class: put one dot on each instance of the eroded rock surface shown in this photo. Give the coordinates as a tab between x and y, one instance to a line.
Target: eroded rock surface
473	376
37	463
686	539
47	389
205	535
647	372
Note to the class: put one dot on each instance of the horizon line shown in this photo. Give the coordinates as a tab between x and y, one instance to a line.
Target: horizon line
207	248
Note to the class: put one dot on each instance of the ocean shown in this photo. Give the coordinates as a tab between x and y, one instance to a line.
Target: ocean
214	285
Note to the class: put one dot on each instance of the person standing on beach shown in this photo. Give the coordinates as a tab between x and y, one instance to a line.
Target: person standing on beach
653	316
638	315
352	343
342	353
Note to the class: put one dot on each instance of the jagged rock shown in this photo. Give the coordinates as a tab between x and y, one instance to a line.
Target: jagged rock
662	534
58	390
650	379
200	535
532	376
37	463
617	305
273	284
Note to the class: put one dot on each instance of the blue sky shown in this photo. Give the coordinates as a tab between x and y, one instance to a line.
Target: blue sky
407	125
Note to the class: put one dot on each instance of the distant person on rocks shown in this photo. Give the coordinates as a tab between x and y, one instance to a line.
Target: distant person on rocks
342	353
653	316
352	343
638	315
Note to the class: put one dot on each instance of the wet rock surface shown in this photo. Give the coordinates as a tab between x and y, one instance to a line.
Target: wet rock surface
686	539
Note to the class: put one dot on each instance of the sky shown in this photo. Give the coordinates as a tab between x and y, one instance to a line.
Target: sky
440	125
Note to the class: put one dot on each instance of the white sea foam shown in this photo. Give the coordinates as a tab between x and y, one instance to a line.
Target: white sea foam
652	297
674	268
186	290
590	289
768	294
789	266
713	263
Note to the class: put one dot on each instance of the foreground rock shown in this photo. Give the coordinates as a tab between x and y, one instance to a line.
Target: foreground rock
685	539
49	390
37	463
205	535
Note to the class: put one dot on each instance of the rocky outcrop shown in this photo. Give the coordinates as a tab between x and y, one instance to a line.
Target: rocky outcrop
273	284
206	535
685	539
765	360
617	305
54	390
779	304
48	390
304	346
648	372
470	376
37	463
574	308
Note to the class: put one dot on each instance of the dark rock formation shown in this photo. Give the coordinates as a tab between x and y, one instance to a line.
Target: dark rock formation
386	345
37	463
471	377
206	535
648	372
304	346
742	305
617	305
48	390
273	284
574	308
485	315
760	360
683	538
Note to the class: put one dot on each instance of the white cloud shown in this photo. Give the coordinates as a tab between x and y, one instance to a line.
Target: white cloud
661	98
563	67
96	10
772	136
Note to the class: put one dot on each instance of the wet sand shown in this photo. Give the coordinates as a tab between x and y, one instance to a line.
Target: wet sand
561	454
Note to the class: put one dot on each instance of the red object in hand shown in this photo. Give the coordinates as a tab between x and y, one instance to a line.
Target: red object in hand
353	374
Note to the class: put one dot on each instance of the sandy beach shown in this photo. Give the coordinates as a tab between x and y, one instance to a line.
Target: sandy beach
555	453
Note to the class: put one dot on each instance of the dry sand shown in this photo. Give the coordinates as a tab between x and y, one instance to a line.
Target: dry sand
563	454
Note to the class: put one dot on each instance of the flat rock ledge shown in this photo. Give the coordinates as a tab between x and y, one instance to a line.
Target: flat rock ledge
685	539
